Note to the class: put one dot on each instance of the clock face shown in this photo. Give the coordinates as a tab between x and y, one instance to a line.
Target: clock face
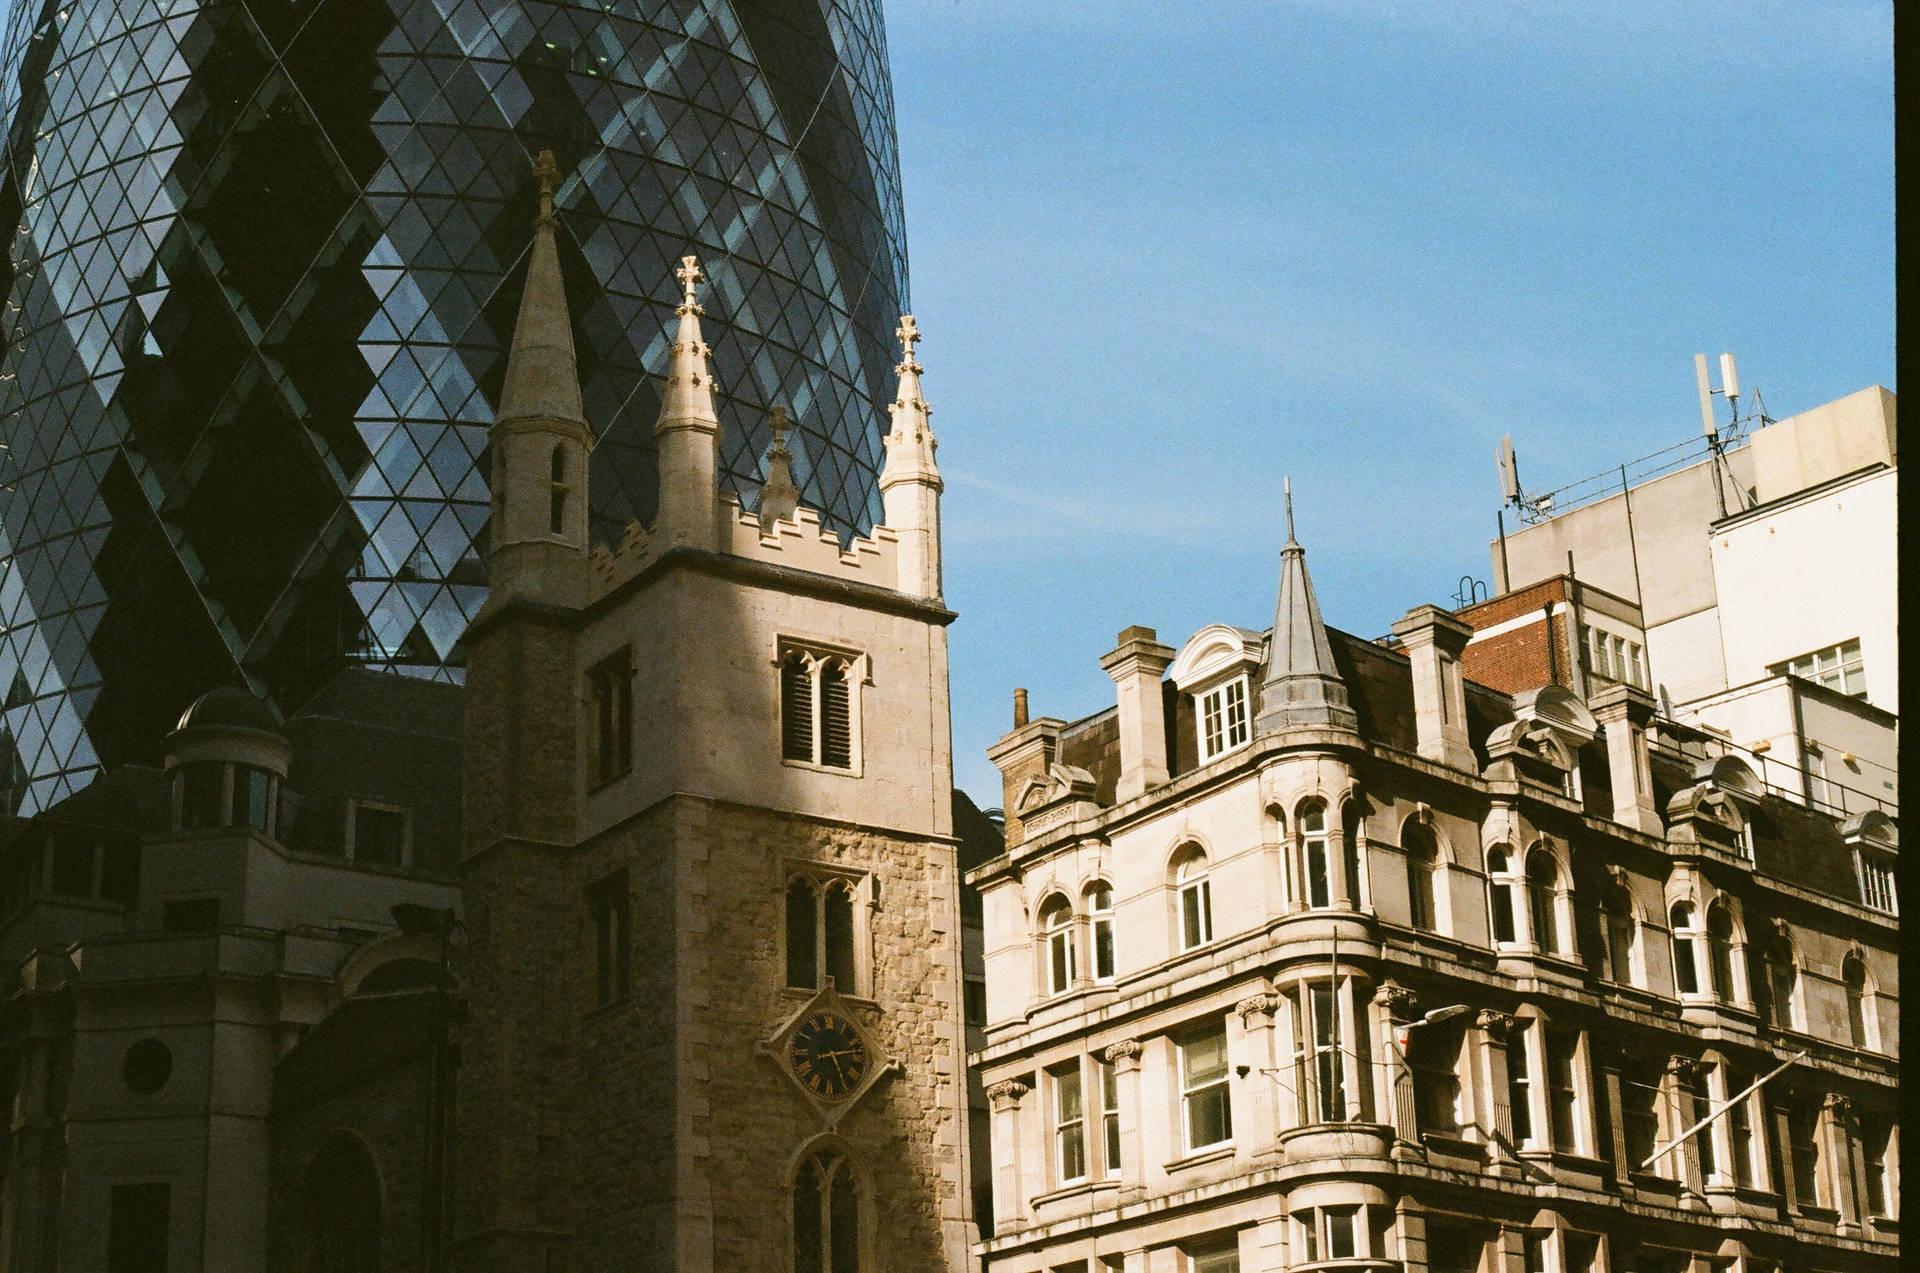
827	1055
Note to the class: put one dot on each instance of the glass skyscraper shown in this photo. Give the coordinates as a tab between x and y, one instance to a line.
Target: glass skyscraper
265	256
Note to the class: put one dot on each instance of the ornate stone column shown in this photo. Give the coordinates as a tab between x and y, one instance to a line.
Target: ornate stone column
1256	1028
1490	1088
1124	1057
1837	1128
1393	1007
1683	1161
1009	1192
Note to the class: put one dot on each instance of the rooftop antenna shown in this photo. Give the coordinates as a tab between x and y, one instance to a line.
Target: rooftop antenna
1531	510
1716	440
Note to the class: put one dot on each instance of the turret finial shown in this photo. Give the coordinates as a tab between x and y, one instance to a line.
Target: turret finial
1286	485
690	277
547	173
908	334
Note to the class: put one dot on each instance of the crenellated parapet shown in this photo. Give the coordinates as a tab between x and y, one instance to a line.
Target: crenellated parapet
798	542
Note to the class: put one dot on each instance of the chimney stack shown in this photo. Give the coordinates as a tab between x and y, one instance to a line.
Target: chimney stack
1136	667
1624	712
1434	640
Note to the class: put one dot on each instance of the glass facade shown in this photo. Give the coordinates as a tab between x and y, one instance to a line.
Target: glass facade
265	256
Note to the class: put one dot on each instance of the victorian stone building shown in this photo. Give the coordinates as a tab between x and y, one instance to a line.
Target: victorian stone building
1310	952
711	894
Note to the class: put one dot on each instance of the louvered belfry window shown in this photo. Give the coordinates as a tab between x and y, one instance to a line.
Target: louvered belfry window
796	707
816	709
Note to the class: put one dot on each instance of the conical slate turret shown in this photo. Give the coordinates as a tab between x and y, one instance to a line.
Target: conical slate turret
543	381
1302	686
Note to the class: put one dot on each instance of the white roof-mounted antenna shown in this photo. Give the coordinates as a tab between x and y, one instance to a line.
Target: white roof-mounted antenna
1716	438
1511	494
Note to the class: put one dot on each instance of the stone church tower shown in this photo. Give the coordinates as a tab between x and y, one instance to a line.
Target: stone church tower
710	879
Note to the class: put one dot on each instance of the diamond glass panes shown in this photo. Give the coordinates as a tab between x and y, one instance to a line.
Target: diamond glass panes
266	257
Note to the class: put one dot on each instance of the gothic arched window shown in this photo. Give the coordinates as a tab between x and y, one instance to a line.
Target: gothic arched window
1195	899
826	1215
1056	932
1685	929
1423	855
823	934
1500	883
1720	951
1316	869
1543	899
343	1207
1853	975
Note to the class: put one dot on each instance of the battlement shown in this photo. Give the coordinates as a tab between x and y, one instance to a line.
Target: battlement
799	542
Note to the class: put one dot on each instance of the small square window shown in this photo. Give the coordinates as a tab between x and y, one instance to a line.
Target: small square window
379	835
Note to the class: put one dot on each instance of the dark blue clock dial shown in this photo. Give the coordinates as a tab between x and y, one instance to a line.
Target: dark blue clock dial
827	1055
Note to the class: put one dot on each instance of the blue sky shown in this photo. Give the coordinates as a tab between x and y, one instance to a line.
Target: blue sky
1165	254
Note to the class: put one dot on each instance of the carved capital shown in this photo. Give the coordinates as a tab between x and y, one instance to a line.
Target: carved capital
1396	999
1264	1002
1686	1067
1007	1092
1617	874
1498	1025
1838	1107
1124	1050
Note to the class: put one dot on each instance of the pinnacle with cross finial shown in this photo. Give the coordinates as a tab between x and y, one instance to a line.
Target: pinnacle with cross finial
908	334
547	173
689	275
778	418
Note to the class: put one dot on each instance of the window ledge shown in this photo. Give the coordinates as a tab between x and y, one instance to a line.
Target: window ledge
849	771
1084	1188
798	994
1200	1157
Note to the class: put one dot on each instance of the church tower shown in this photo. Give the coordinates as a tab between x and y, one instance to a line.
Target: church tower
711	887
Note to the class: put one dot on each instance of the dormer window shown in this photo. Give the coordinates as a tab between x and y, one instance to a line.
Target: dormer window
1215	668
1223	718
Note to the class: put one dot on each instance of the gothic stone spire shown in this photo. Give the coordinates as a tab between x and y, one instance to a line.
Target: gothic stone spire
542	381
1302	686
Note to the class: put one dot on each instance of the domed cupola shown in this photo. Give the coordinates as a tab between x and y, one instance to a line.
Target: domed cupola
227	759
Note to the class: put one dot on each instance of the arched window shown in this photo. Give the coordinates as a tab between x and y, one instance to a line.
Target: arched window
1500	884
343	1207
557	490
803	937
1720	951
1860	1022
1783	982
1316	870
1622	935
1686	959
1353	832
1056	929
1543	896
826	1215
1196	899
1423	855
822	934
1100	906
816	709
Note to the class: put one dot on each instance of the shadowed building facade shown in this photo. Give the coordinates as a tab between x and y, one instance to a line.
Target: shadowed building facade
263	261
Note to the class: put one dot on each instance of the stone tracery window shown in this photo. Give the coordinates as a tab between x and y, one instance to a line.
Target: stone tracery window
826	1215
819	717
823	933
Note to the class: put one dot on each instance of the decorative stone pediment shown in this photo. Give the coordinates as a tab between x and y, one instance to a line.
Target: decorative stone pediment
1872	825
1529	751
1704	814
1063	793
1731	775
1561	711
1214	653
